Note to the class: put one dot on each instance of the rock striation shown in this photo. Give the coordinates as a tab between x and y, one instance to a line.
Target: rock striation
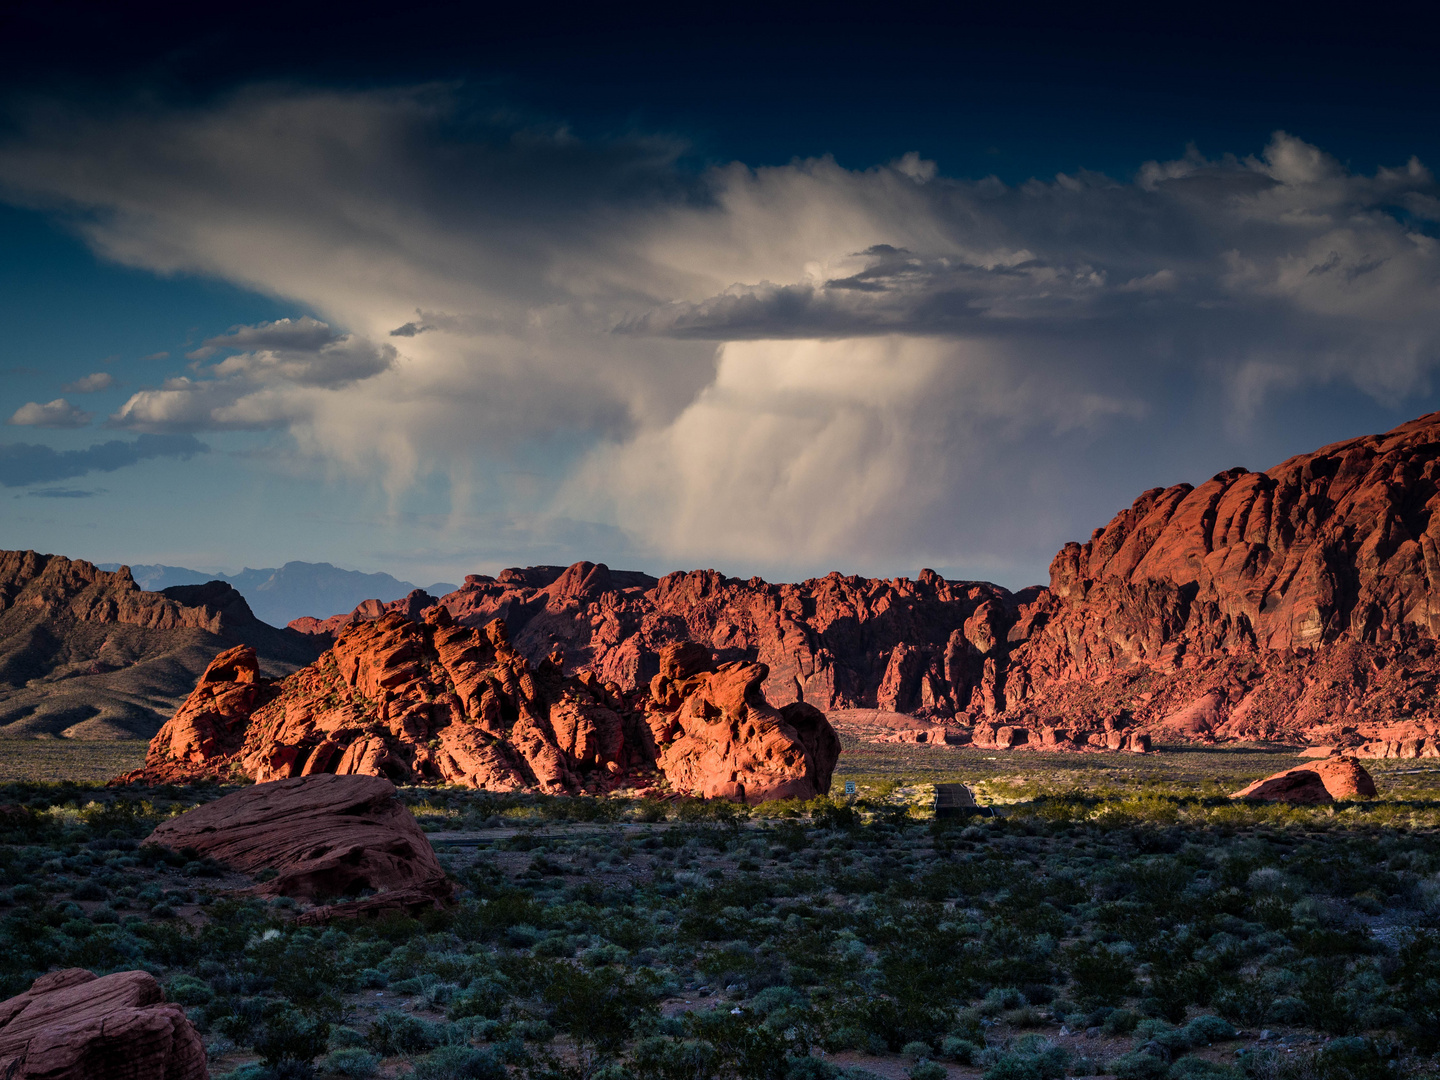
328	840
71	1025
436	700
87	653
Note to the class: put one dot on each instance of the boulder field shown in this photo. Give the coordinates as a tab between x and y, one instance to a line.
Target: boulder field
430	699
1298	604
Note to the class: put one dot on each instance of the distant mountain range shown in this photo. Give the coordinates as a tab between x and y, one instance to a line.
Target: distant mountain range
298	588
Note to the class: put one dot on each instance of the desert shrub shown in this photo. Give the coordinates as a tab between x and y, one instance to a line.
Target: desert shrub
1208	1029
1120	1022
927	1070
599	1008
459	1063
961	1051
1100	975
810	1068
288	1036
1198	1068
395	1033
188	990
351	1062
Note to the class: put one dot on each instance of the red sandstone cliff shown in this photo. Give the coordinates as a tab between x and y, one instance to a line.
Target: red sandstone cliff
1302	602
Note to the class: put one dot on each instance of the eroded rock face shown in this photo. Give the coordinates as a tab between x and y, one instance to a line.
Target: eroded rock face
834	642
72	1026
717	736
1325	781
1300	603
326	838
435	700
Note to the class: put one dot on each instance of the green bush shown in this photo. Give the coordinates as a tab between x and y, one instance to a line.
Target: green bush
395	1033
351	1062
1197	1068
459	1063
289	1036
927	1070
1120	1022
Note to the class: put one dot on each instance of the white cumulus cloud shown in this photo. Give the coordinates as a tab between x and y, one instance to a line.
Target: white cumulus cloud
52	414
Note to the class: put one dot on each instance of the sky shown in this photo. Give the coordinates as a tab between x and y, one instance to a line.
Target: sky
440	291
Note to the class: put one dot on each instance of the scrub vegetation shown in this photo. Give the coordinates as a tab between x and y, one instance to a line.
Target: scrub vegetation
1129	926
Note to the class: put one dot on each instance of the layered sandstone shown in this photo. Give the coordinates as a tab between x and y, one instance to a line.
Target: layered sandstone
837	642
435	700
72	1026
326	838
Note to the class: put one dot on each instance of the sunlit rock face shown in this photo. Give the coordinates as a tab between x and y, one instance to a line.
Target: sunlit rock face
434	700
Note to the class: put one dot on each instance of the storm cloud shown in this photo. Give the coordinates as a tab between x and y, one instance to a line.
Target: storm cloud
788	365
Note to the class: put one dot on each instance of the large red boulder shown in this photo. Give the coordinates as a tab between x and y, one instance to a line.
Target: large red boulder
717	736
72	1026
325	837
1325	781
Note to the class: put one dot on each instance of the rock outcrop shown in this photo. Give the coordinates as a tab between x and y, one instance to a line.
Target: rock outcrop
435	700
328	839
717	736
87	653
412	606
835	642
1331	780
72	1026
1299	603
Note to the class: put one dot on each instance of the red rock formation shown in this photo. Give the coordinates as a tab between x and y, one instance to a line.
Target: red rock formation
412	606
1302	603
835	642
1299	603
1325	781
717	736
72	1026
326	837
434	700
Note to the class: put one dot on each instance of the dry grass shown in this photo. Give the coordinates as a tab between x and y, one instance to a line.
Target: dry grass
57	760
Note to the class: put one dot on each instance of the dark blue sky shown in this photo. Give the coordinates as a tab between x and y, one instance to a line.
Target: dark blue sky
147	176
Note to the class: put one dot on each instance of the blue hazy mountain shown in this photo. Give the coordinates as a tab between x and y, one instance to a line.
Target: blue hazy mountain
298	588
